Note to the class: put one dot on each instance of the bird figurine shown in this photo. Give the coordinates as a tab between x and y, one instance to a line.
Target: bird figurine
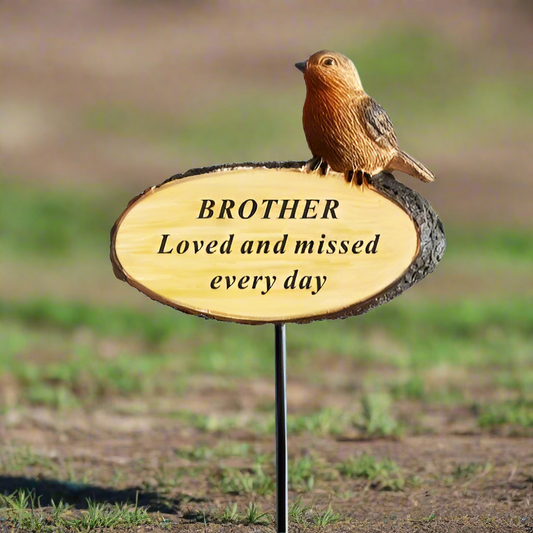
347	130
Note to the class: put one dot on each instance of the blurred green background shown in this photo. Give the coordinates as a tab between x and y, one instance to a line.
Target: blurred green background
99	100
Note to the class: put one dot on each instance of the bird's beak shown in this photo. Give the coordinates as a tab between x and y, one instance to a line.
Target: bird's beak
302	65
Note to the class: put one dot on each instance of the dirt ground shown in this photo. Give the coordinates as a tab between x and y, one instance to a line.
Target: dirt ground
489	501
456	477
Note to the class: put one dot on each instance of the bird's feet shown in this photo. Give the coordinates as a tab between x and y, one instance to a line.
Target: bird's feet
361	178
324	168
317	163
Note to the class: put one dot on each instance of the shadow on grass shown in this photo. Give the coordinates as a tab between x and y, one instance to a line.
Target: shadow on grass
47	490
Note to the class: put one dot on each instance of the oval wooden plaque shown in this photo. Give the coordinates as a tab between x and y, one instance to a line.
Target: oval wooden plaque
263	243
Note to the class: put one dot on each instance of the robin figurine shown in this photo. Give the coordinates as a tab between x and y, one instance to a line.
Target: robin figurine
347	130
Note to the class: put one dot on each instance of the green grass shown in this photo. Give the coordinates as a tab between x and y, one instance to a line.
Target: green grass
255	481
492	247
23	510
467	470
56	224
82	376
48	363
519	380
373	418
423	334
302	473
254	515
463	320
376	418
518	414
166	478
68	317
22	460
321	423
16	459
100	515
298	512
383	475
413	388
207	423
231	514
304	515
222	450
326	518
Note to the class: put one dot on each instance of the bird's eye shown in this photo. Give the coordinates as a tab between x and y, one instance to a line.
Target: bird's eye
329	61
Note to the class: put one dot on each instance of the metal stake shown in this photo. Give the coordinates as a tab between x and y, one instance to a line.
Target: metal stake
282	490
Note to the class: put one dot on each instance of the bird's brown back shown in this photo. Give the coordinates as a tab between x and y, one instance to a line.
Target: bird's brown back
335	117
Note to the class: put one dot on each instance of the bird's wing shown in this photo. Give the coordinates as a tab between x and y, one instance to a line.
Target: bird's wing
378	124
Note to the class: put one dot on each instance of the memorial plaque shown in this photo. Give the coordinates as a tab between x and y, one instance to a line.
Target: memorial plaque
270	243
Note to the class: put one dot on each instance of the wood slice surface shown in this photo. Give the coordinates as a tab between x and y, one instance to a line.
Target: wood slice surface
260	243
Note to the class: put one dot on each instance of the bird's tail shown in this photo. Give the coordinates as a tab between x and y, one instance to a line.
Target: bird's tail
405	163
